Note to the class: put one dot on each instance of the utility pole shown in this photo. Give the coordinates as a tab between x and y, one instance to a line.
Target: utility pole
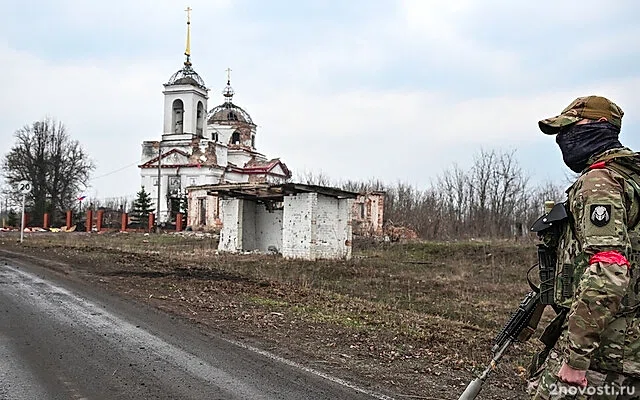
158	201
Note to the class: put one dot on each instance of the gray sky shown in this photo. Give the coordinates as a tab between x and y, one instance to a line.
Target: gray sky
394	90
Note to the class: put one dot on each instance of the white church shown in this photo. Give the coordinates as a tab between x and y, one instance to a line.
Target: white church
200	147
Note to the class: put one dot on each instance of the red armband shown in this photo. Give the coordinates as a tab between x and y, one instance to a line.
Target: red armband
609	257
598	165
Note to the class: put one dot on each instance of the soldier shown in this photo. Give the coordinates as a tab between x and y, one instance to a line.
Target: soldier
597	355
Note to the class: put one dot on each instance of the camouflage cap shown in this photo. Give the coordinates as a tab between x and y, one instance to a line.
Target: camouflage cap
589	107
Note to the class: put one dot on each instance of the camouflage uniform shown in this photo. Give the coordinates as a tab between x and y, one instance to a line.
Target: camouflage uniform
597	274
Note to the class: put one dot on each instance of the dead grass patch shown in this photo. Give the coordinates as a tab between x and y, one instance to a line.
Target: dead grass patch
410	319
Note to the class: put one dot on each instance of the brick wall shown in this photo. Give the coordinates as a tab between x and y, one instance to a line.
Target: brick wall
311	226
333	228
299	230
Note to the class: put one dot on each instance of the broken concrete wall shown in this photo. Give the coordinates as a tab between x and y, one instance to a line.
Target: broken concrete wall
268	228
306	226
316	227
333	228
248	225
231	232
253	227
298	228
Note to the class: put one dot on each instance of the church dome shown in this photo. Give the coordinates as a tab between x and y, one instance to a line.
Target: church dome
228	112
186	76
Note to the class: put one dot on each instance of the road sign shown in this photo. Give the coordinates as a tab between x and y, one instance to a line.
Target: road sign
24	187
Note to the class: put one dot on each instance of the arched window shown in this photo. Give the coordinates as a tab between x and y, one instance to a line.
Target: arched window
235	138
232	116
178	115
214	136
199	119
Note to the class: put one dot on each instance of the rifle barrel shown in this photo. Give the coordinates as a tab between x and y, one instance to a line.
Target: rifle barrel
475	386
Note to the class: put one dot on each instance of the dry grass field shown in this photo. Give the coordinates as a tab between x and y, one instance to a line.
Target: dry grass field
411	320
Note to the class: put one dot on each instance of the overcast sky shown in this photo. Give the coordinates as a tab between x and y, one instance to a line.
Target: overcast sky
359	89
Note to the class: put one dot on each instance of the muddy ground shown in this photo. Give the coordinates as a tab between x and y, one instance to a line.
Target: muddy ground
413	321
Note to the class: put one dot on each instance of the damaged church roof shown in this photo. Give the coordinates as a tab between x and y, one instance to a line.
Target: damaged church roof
228	112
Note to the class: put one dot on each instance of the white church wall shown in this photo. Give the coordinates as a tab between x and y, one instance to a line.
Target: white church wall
221	155
239	158
153	191
176	158
236	177
224	133
190	96
169	98
193	120
192	180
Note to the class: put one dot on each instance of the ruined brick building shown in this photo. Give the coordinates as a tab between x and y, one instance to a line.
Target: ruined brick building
201	146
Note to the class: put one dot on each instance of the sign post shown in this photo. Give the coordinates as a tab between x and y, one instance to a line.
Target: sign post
24	187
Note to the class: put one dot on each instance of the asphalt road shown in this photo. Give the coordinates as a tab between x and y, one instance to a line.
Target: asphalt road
62	340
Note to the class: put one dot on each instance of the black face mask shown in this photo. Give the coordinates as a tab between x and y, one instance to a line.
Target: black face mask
578	143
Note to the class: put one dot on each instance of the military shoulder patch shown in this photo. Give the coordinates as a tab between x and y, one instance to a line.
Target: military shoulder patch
600	214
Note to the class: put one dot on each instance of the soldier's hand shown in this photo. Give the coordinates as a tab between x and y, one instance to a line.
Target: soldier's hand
572	376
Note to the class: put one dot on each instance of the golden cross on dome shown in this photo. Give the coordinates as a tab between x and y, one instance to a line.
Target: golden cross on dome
229	74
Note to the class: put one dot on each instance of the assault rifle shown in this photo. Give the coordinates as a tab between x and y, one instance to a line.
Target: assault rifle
516	329
523	322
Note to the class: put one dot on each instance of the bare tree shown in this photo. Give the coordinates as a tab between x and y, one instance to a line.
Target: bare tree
372	185
480	181
454	189
123	203
507	186
492	199
56	165
313	178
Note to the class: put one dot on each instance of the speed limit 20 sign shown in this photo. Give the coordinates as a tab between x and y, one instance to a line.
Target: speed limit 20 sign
24	187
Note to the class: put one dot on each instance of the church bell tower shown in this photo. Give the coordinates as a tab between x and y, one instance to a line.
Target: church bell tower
185	99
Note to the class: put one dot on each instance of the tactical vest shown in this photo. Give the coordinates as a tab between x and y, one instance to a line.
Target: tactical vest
572	261
629	168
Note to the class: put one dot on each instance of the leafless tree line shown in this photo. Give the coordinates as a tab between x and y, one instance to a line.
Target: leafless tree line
492	199
56	166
